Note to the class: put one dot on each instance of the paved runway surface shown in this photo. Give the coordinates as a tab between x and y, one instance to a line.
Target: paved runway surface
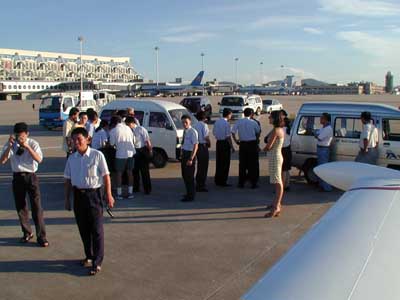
156	247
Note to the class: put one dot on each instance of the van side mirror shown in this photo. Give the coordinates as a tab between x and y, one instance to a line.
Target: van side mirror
219	103
246	104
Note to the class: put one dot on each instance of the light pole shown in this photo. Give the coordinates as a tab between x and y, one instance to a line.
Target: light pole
236	72
261	73
202	67
80	39
156	48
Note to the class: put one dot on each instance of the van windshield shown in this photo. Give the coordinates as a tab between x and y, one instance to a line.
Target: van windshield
176	115
232	101
50	104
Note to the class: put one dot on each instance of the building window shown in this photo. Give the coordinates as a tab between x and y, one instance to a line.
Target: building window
29	87
24	87
42	87
15	87
33	87
9	87
19	87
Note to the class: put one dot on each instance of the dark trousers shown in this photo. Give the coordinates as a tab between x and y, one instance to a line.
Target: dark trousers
248	162
28	183
188	174
223	162
88	209
203	158
141	170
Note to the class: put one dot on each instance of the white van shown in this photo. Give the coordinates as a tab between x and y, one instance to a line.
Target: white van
238	103
347	126
162	119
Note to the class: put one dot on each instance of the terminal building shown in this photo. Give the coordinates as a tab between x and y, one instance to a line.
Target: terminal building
23	71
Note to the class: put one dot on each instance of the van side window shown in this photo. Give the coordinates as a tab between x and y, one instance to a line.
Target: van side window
139	115
158	120
348	128
391	129
307	125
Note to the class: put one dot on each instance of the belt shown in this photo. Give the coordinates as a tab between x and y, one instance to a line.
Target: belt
248	142
85	191
186	150
323	146
22	173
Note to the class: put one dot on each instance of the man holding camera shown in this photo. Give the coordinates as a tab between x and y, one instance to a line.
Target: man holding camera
25	155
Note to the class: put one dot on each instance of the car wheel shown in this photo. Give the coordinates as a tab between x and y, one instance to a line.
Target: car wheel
159	159
308	169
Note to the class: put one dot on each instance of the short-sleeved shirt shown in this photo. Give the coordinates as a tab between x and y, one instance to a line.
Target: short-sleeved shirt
247	128
202	131
141	136
86	171
190	138
325	136
124	141
100	138
25	161
222	129
67	128
370	133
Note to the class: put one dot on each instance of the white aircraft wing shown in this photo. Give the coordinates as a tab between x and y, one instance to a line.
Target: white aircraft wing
353	252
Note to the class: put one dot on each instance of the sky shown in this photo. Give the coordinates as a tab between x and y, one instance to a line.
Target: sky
336	41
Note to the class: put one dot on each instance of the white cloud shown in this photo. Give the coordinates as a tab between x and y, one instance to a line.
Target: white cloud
268	44
286	21
362	8
297	72
188	38
181	29
383	48
312	30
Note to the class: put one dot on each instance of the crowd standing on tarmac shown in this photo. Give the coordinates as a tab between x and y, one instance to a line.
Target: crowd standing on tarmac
95	147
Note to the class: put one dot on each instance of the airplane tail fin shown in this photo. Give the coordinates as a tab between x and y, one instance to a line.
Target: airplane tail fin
197	80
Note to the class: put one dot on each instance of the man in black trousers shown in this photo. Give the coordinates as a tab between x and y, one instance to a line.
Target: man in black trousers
249	132
188	160
25	155
86	173
224	147
203	156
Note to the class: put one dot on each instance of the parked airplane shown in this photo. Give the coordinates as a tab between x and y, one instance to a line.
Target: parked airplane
353	251
173	88
281	89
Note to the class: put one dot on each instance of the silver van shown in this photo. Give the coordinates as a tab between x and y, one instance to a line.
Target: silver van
347	127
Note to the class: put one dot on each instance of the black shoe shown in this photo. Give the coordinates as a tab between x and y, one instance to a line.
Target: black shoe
43	243
255	186
26	238
202	190
186	199
287	189
240	185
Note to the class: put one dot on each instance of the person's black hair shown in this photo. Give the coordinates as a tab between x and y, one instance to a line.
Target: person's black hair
20	127
248	112
115	120
73	111
284	113
186	117
366	115
276	118
129	120
80	130
92	115
103	123
122	113
226	112
201	115
82	113
90	112
288	126
327	116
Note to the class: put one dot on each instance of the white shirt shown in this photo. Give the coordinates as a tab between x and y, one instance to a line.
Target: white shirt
191	138
325	136
286	139
202	131
222	129
248	129
100	138
67	129
141	136
86	171
25	161
370	133
123	139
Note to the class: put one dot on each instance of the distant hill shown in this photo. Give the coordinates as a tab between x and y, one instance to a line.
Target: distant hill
313	82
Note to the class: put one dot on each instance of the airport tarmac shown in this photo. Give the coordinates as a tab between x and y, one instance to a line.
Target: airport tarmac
157	247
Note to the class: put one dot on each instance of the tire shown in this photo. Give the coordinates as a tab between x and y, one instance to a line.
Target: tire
159	159
308	169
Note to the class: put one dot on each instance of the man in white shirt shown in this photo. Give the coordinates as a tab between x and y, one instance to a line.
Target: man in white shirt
188	161
369	152
203	156
224	147
144	151
86	173
324	138
25	155
67	128
122	138
249	132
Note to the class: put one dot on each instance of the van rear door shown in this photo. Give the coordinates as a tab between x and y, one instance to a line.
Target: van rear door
389	142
